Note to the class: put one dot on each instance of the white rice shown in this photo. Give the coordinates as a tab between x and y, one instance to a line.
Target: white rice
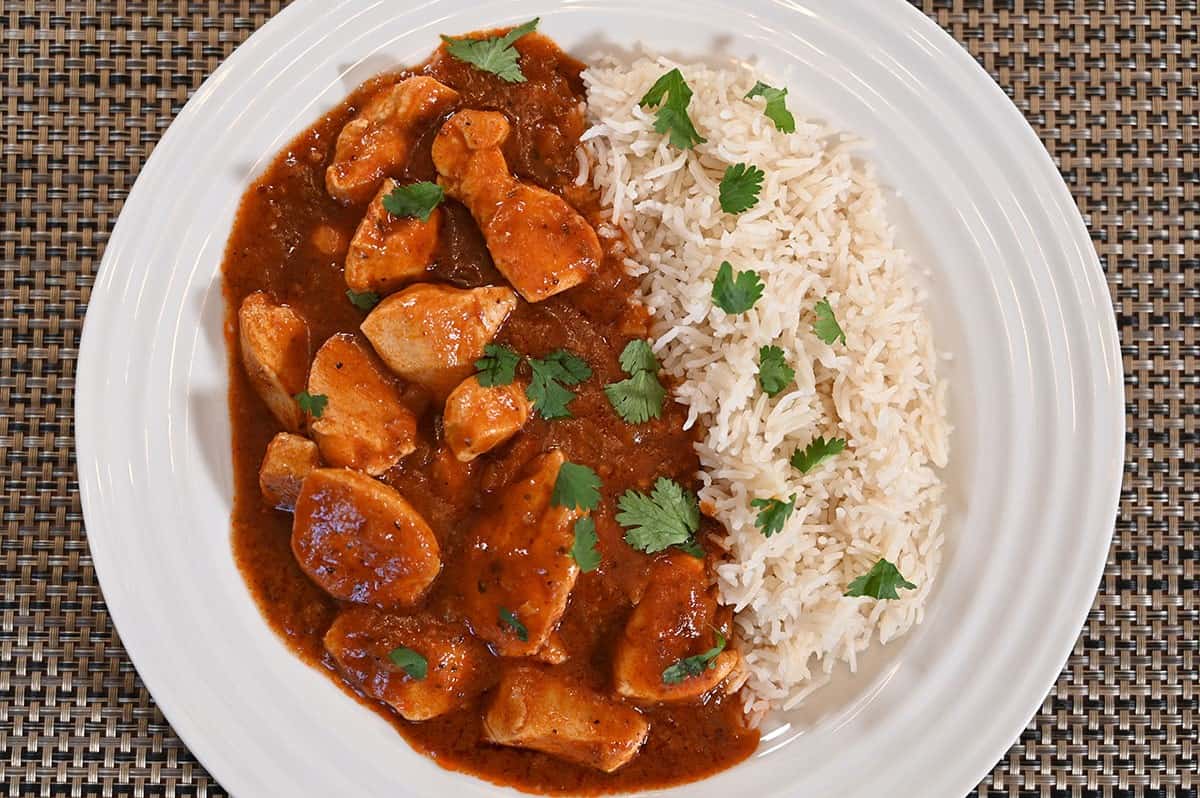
818	230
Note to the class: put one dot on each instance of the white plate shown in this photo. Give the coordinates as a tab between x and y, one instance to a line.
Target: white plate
1018	299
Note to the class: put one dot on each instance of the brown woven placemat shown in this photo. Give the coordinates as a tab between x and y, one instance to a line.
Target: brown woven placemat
88	86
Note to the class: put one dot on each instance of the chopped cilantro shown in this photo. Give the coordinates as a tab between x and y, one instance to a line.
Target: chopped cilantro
363	301
819	449
826	326
669	516
413	663
640	397
740	187
576	487
736	295
546	389
498	366
416	200
688	667
776	109
774	374
313	404
496	55
508	619
584	549
672	117
773	514
880	582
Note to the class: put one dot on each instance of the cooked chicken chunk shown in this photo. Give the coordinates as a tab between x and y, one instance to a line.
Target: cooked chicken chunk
457	665
274	342
378	141
675	619
387	252
361	541
365	424
538	242
433	334
539	708
478	419
519	569
288	461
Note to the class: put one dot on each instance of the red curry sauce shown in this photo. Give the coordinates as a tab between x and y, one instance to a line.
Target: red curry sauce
289	240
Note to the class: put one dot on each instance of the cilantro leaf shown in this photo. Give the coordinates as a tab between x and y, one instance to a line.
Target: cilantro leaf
776	109
816	451
672	95
313	404
640	397
736	295
567	368
773	514
669	516
688	667
496	55
545	389
880	582
692	547
415	665
584	549
774	374
416	200
826	326
576	487
498	366
364	301
507	618
740	187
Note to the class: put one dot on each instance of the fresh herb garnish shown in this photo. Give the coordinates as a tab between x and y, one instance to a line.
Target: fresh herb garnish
776	109
546	389
672	116
816	451
363	301
576	487
669	516
688	667
510	620
584	549
773	514
416	200
413	663
313	404
774	374
740	187
736	295
640	397
880	582
826	326
498	366
496	55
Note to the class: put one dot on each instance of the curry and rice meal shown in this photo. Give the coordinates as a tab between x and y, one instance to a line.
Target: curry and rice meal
582	416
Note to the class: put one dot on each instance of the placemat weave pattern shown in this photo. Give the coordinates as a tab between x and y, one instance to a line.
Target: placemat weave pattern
88	86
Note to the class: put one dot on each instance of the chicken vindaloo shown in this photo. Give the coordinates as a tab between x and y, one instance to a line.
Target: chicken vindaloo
461	486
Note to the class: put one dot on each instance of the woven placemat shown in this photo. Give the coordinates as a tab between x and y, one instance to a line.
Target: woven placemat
87	88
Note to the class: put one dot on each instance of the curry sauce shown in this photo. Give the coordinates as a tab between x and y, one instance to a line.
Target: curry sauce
290	241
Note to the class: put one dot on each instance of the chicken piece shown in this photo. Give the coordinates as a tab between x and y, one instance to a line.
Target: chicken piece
274	342
540	708
457	665
675	619
518	560
433	334
365	424
477	419
362	541
387	252
288	460
538	242
555	651
379	140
